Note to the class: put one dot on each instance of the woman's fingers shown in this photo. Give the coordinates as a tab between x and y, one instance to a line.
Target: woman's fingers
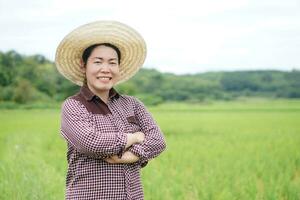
140	137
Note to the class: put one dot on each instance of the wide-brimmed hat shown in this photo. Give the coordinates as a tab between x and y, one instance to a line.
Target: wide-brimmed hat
130	43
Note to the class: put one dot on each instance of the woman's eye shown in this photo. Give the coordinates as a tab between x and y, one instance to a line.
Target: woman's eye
97	62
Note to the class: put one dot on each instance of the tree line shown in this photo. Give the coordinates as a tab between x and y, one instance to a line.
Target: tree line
29	79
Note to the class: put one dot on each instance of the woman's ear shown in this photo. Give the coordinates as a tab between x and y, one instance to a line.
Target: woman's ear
82	66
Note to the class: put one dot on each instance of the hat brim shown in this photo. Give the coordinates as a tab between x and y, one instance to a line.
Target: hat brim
130	43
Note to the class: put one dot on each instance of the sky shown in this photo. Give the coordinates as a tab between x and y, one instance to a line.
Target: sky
190	36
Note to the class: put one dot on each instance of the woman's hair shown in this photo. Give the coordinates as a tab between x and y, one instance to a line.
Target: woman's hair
88	51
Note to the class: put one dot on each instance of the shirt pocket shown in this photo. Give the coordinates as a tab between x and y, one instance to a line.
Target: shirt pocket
132	124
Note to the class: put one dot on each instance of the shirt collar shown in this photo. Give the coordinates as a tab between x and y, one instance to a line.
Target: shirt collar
89	95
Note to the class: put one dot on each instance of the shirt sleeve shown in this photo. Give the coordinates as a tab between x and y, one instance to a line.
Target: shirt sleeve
154	142
78	128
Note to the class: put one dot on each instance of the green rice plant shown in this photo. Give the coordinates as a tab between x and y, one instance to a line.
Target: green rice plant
217	150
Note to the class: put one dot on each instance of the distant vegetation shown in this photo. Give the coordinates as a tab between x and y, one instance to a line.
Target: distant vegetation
29	79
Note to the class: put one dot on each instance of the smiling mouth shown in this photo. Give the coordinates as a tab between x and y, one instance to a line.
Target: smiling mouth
104	78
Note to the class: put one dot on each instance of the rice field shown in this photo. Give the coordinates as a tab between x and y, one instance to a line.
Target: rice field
248	149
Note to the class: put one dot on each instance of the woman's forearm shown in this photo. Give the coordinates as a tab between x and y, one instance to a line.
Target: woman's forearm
127	157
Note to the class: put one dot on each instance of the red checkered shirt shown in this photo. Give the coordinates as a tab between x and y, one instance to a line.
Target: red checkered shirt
94	131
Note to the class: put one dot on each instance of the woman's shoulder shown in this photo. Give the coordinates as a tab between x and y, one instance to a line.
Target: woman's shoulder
72	103
132	100
128	98
125	97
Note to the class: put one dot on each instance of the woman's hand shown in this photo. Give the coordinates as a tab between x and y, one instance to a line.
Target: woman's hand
135	138
127	157
140	137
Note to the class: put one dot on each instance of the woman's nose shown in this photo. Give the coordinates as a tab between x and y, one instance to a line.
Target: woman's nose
104	68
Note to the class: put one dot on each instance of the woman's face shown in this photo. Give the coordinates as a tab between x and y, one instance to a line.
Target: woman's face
102	69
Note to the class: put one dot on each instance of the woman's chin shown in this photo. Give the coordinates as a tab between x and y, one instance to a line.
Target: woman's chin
102	87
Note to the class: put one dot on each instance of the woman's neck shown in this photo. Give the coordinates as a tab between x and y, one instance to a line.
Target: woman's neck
103	95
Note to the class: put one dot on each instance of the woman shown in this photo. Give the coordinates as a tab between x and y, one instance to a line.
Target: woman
109	136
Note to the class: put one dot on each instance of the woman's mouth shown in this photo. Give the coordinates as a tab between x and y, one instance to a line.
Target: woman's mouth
104	78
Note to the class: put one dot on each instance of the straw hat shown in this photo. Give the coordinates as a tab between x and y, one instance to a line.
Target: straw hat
130	43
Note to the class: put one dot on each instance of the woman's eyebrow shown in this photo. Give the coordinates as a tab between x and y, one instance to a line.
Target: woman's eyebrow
103	58
98	58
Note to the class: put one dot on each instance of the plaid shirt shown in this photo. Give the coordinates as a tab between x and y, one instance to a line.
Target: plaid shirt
94	131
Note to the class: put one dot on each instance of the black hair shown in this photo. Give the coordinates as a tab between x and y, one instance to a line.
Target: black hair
88	51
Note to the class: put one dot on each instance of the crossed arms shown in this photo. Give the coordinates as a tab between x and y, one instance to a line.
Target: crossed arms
118	147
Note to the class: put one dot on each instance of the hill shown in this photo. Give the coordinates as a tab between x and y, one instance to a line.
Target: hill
33	78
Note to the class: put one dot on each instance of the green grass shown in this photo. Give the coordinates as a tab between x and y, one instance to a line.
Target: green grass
219	150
